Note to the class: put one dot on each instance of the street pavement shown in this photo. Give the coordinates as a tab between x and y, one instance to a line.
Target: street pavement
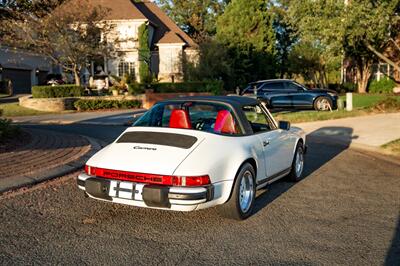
110	118
344	212
11	99
372	130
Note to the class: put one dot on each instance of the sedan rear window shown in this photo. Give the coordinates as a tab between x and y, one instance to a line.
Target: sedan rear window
209	117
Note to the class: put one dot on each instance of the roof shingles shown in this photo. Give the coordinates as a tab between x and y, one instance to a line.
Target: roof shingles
166	30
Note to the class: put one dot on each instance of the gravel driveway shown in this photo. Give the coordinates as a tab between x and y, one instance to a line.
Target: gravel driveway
346	211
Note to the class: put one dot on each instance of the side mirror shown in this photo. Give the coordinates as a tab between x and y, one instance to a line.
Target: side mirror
285	125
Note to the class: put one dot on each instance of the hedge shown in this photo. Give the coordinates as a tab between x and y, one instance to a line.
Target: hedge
214	87
58	91
97	104
385	85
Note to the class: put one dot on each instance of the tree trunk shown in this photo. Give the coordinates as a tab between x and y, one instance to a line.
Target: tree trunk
77	76
364	67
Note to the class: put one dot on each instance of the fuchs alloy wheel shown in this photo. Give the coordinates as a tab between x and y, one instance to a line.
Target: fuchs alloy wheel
240	204
297	164
323	104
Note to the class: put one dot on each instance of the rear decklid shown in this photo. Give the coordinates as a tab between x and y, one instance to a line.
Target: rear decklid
148	150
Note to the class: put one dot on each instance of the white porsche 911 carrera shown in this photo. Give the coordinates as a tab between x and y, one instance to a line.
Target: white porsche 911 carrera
197	152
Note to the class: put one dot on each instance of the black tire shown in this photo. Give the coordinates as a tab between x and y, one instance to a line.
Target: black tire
294	176
231	209
318	103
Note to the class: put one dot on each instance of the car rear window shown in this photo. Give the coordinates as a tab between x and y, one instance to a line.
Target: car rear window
209	117
158	138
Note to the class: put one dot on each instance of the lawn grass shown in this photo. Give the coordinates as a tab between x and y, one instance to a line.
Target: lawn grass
310	116
362	101
392	147
13	109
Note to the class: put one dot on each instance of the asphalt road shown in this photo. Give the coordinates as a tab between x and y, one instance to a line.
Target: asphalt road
345	211
102	132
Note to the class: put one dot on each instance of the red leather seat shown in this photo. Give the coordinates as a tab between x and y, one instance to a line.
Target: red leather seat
180	119
224	123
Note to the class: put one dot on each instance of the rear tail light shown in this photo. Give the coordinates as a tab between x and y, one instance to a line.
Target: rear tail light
167	180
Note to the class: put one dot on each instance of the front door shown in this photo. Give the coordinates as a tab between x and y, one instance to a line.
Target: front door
273	141
277	150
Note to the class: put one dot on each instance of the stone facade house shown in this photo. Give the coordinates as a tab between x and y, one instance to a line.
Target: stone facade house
168	43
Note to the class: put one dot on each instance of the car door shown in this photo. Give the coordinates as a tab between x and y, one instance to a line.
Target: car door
300	97
276	94
272	140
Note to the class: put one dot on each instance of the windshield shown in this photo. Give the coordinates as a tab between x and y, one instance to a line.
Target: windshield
250	87
209	117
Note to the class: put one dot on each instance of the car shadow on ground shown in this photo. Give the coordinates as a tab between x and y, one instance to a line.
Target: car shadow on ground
320	151
393	255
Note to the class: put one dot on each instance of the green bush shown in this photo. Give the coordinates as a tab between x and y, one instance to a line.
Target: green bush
136	88
385	85
214	87
59	91
7	130
98	104
348	87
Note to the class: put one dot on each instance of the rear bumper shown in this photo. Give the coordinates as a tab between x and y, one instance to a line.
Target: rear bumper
145	195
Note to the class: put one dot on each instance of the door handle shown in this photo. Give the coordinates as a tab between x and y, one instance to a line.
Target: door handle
265	143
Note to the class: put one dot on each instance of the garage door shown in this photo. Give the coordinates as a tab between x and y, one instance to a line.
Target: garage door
21	79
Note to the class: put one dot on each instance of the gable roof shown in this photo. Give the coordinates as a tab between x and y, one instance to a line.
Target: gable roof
163	24
170	37
118	9
166	30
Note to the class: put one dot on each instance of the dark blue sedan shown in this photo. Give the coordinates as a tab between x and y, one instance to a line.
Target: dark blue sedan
285	94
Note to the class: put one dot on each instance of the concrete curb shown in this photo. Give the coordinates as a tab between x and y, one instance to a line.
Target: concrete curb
12	183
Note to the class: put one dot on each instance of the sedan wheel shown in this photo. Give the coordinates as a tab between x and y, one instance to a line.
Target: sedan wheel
241	202
323	104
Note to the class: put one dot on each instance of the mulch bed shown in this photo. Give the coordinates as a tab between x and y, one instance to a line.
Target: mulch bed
20	140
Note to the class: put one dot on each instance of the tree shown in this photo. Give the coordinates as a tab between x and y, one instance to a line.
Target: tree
378	27
246	28
70	35
197	18
286	37
38	8
214	63
144	54
362	30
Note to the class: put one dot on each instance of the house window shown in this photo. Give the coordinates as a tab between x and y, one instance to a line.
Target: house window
126	68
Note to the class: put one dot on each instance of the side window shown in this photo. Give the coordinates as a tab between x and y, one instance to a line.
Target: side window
274	86
258	120
292	86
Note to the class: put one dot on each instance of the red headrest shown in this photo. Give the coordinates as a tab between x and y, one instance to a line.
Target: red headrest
224	123
179	119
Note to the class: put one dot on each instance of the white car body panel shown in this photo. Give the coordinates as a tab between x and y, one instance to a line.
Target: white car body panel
218	156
